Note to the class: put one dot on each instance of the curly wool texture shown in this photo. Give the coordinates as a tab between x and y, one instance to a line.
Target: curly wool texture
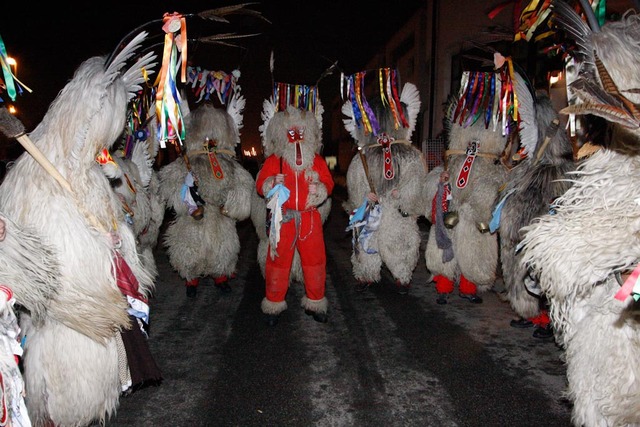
137	187
475	253
574	253
29	266
70	359
401	198
209	246
537	181
276	139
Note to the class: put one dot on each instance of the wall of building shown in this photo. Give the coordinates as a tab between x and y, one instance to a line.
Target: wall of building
422	52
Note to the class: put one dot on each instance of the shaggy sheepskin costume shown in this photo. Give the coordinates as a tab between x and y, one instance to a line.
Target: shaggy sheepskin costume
294	168
29	273
465	251
594	234
136	183
386	180
207	245
73	352
532	187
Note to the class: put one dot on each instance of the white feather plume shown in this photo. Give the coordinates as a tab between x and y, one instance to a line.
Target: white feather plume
142	159
271	63
319	111
268	111
113	68
134	77
349	122
528	129
410	96
235	108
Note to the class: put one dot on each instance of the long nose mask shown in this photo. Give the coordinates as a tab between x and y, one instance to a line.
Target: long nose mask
296	136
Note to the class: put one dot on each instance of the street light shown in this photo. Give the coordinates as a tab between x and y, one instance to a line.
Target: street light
14	63
11	62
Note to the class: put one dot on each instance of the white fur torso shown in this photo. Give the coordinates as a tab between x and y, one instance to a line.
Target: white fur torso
574	253
71	356
209	246
400	210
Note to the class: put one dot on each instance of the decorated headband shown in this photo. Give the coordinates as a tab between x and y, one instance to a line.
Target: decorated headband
303	97
352	88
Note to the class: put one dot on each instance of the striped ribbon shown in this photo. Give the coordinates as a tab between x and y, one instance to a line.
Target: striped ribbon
170	123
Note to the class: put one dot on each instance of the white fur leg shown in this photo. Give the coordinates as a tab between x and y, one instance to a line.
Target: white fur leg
317	306
270	307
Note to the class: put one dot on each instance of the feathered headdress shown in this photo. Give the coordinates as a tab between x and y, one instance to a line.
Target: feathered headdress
604	91
489	96
300	96
352	88
359	113
169	118
207	84
303	97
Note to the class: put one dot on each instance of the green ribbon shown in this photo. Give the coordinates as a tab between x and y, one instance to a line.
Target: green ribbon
600	11
6	71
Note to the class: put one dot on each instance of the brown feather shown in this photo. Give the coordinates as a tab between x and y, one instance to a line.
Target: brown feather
218	13
607	112
226	36
605	77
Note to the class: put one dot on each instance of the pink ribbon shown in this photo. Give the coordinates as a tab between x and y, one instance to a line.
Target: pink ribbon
628	285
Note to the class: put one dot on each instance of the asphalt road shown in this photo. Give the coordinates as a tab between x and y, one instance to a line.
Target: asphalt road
382	360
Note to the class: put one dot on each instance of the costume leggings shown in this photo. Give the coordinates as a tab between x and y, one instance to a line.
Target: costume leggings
309	241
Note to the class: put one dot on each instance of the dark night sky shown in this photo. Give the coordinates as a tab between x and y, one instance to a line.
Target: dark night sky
306	38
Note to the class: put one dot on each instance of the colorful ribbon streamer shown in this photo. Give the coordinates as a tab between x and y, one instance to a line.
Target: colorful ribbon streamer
170	123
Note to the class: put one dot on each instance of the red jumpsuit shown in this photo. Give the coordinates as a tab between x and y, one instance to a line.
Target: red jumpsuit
308	239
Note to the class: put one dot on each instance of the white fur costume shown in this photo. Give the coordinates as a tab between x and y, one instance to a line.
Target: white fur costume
28	272
594	234
71	355
136	183
475	252
532	186
396	242
209	246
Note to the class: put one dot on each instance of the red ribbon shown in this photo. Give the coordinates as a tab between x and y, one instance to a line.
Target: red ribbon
385	141
465	170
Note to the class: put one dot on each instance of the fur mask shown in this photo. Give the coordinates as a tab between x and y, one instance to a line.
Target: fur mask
217	124
293	134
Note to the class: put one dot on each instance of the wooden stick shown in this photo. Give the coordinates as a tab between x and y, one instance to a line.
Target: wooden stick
363	159
13	128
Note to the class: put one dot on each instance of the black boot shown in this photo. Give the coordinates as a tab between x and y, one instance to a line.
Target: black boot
362	286
318	317
224	287
272	319
543	332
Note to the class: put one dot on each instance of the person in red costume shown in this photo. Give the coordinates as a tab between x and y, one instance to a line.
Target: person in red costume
300	179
